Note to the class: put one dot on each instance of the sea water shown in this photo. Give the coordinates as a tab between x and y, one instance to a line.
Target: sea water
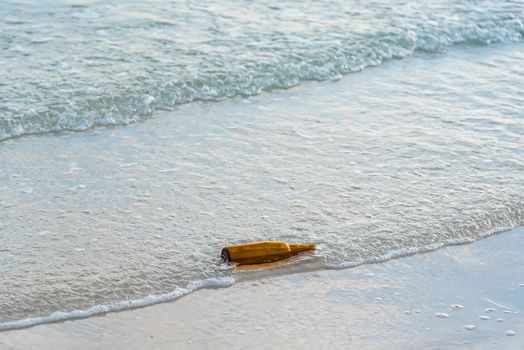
419	147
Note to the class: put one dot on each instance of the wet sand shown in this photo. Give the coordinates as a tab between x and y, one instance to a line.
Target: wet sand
468	296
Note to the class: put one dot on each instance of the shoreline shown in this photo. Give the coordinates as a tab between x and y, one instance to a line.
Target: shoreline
293	265
466	296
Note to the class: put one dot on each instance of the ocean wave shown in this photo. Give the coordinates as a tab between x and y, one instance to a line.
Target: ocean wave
117	86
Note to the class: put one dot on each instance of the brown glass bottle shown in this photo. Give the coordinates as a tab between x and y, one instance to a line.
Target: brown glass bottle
261	252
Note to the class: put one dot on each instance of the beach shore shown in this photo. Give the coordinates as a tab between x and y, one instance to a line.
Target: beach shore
468	296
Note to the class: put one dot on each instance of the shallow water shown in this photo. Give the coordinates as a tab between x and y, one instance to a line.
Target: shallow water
375	306
394	160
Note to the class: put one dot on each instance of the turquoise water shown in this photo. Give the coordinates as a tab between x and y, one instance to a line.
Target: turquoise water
403	157
72	65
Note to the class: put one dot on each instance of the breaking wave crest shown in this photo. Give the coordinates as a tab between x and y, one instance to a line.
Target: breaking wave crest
104	82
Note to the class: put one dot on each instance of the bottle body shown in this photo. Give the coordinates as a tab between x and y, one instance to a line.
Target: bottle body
261	252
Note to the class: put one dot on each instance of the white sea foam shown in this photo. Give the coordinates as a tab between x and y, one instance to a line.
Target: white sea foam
418	250
118	306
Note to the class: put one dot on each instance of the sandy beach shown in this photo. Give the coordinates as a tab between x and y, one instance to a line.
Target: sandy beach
138	139
468	296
